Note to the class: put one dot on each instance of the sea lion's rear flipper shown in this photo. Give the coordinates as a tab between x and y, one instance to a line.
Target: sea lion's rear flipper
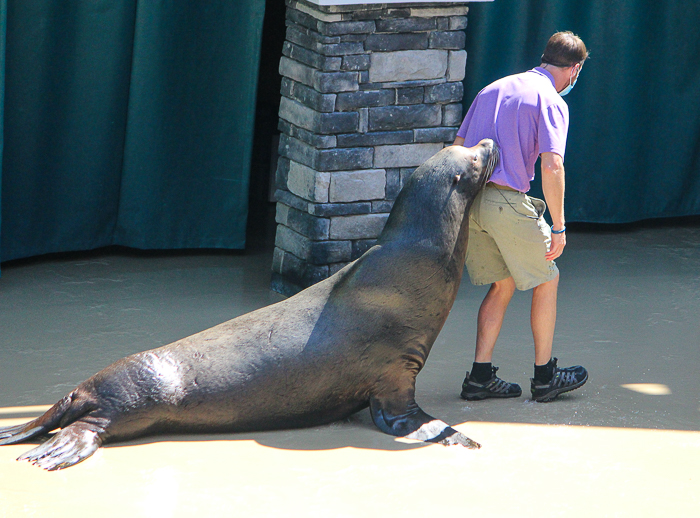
406	419
39	426
71	445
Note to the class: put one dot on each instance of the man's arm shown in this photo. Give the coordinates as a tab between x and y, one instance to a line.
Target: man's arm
459	141
553	188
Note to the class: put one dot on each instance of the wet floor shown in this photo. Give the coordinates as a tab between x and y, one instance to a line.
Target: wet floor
629	440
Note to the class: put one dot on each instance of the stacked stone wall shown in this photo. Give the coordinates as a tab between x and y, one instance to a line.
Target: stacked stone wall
369	92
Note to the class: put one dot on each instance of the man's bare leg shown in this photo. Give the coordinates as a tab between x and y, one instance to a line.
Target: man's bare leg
482	382
490	320
543	319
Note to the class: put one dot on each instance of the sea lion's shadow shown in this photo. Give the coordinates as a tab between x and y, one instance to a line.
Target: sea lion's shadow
356	431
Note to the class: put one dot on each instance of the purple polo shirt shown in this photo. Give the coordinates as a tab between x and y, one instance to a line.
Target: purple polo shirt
525	116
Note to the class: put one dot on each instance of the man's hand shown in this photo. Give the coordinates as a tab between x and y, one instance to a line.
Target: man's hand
556	247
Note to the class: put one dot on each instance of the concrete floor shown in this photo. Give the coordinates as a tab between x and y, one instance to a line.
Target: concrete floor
626	444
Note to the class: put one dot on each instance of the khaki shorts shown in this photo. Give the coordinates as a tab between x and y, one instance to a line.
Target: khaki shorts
508	237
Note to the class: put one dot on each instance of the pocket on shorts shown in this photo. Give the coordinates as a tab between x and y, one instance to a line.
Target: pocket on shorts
539	205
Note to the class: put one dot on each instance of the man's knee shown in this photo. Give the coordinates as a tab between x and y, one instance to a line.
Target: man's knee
504	288
548	286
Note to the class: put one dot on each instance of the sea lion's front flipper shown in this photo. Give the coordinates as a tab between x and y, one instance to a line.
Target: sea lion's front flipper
71	445
406	419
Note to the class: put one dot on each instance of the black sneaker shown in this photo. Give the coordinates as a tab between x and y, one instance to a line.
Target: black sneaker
495	387
563	380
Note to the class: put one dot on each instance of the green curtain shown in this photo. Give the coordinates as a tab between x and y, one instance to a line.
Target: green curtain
127	123
633	150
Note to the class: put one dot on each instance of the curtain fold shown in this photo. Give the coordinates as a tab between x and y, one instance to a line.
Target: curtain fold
633	150
127	123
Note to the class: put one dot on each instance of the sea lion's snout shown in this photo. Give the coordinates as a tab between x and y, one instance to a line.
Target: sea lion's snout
492	158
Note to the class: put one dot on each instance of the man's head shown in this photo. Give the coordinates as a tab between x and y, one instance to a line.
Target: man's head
566	53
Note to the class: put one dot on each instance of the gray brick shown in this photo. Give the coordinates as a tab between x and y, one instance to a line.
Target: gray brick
311	58
349	101
297	71
393	183
363	126
326	252
360	246
308	96
302	18
297	150
307	183
355	62
458	23
435	135
318	122
410	95
313	139
382	206
287	198
341	49
437	10
353	38
282	173
317	13
364	85
407	65
447	40
357	185
443	23
391	42
445	93
380	13
367	226
406	172
456	65
340	209
302	222
289	241
323	45
404	117
340	28
452	114
341	159
413	84
308	38
407	155
378	138
325	159
330	82
406	25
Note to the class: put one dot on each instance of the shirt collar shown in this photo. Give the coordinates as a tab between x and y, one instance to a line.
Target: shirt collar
541	71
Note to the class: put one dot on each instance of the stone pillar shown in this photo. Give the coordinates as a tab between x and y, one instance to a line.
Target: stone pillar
369	92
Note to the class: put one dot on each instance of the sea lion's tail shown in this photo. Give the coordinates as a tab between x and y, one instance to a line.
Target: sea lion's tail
61	414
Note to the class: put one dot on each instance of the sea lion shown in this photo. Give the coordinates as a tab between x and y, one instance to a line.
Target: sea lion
358	338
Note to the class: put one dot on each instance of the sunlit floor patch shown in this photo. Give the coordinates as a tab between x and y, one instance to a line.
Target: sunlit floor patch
593	471
650	389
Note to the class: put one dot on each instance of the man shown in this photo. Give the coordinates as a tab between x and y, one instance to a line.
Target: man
510	245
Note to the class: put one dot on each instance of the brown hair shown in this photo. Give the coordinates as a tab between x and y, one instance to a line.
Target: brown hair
564	49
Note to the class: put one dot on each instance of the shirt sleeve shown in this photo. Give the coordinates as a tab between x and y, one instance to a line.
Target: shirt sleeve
552	129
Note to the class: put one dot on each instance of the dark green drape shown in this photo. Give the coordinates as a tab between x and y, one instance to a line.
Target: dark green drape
634	139
127	123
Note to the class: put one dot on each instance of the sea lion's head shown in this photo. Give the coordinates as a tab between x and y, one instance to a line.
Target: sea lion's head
476	164
438	194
